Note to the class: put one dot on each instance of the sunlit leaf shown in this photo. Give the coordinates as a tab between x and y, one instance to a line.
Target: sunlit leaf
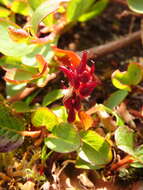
76	8
65	139
44	117
4	12
60	112
52	96
95	149
86	165
124	80
10	125
116	98
6	2
8	46
46	51
95	10
17	76
124	138
34	4
136	5
42	11
20	7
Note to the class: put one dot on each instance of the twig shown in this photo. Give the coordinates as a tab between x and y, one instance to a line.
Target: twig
110	47
126	160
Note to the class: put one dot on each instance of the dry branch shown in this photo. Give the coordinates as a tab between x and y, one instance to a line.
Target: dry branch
110	47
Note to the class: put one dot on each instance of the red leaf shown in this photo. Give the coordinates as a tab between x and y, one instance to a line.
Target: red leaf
71	57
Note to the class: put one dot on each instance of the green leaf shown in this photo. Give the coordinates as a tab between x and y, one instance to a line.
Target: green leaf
136	164
29	99
60	112
42	11
95	10
85	165
34	4
11	62
65	139
12	90
124	138
76	8
118	84
52	96
116	98
136	5
132	76
21	107
20	7
45	50
8	46
10	125
44	117
6	2
95	149
4	12
21	76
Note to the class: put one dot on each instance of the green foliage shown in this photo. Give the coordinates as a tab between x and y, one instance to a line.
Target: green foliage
95	149
52	96
44	117
124	80
20	7
136	5
116	98
42	11
86	165
60	112
64	138
94	11
8	46
76	8
21	106
125	140
82	10
4	12
10	126
34	4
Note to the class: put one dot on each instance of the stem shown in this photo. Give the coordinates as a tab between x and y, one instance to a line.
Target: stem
121	163
97	52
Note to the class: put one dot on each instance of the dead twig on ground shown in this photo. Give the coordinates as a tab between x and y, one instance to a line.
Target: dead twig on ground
110	47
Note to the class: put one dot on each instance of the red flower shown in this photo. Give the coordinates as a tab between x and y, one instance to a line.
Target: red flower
81	78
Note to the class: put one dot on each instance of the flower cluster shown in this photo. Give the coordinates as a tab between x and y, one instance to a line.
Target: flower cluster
82	80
